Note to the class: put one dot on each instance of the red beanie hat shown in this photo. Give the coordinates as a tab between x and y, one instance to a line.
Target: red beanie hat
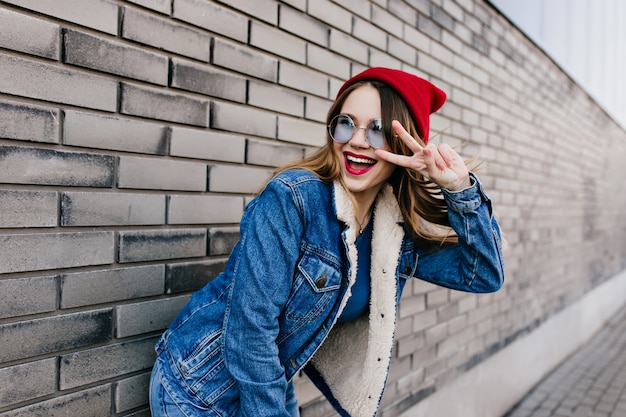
421	96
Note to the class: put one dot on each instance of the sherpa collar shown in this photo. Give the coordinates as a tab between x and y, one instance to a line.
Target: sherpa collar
354	360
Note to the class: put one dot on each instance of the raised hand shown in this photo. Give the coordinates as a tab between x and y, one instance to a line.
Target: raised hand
441	164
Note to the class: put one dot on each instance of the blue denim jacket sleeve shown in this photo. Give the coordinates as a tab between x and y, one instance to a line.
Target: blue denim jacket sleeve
271	230
475	264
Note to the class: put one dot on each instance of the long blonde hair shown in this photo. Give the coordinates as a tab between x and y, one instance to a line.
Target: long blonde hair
421	202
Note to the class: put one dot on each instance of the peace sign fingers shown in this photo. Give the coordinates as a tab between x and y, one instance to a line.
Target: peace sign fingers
414	161
441	164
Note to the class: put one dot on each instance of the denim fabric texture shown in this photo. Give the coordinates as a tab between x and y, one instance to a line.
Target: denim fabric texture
235	346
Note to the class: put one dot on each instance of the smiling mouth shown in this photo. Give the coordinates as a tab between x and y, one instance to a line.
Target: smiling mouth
358	165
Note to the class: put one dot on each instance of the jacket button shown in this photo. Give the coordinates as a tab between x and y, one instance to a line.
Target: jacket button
407	270
321	281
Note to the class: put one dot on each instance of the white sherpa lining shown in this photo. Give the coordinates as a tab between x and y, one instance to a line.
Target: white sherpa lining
354	359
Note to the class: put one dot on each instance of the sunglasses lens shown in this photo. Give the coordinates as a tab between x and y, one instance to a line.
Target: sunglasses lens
341	129
375	135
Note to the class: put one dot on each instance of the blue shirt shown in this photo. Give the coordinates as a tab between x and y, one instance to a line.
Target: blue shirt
358	302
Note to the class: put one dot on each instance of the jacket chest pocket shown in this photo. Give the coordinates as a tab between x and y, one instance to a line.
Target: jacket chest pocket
316	283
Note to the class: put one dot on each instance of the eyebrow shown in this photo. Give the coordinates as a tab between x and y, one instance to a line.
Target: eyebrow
356	119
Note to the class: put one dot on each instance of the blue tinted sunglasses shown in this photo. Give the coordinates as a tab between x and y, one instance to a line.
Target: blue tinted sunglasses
342	128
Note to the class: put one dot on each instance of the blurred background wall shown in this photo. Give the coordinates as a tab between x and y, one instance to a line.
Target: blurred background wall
133	133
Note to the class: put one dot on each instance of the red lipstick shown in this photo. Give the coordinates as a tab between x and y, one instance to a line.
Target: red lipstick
358	164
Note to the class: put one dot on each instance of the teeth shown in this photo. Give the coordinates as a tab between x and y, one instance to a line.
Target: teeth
360	160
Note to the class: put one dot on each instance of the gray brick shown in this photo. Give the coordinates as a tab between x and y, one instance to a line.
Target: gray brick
244	60
204	209
301	131
316	109
266	10
404	11
33	337
27	381
28	34
303	26
437	297
104	209
96	14
28	208
28	122
88	366
157	104
411	306
105	286
442	17
243	119
213	18
207	144
147	316
222	240
145	173
132	392
328	62
150	245
31	295
332	14
165	34
272	97
383	18
204	79
303	79
409	345
370	34
480	44
93	402
113	133
362	8
272	154
429	27
114	57
402	51
424	320
41	251
378	59
57	84
483	14
298	4
161	6
277	42
237	179
191	276
429	65
454	10
22	165
335	84
346	45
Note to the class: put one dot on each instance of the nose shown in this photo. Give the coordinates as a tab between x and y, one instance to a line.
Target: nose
359	139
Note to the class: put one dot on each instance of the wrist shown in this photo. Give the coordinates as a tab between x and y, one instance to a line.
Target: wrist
464	184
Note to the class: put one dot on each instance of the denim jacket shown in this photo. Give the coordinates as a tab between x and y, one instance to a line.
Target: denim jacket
273	311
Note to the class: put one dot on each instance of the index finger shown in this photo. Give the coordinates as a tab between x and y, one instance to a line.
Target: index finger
409	140
401	160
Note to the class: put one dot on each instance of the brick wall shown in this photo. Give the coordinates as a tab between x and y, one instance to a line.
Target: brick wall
132	134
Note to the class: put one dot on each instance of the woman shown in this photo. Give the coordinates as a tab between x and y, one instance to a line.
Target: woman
325	251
